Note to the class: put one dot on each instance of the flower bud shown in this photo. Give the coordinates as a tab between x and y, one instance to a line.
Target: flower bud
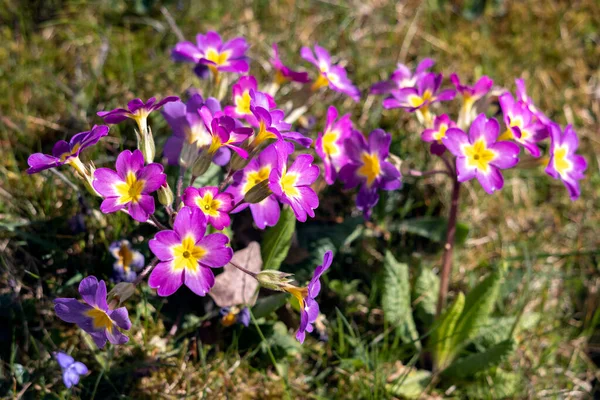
274	280
189	154
202	163
165	195
237	162
121	292
258	193
147	146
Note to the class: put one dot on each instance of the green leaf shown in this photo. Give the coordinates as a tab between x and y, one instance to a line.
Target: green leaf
442	337
478	362
411	385
500	385
478	306
396	299
425	291
432	228
210	178
277	240
266	305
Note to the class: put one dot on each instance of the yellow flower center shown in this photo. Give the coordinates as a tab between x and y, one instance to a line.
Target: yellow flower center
125	256
187	255
216	57
65	155
321	81
370	168
242	103
288	182
508	133
279	78
441	133
329	143
209	205
299	293
131	189
417	101
197	134
262	135
256	177
100	319
561	163
479	156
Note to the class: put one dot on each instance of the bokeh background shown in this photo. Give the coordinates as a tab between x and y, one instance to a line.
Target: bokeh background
61	61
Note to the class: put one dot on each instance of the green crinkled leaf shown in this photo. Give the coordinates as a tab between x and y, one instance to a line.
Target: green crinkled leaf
432	228
478	362
425	291
478	306
396	299
493	331
277	240
410	386
501	385
442	337
267	305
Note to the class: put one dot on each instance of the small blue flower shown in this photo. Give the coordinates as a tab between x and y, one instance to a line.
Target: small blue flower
233	315
71	369
128	262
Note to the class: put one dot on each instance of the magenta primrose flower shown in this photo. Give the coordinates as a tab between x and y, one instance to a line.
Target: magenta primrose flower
402	77
367	167
224	132
520	124
479	155
130	186
332	76
214	205
71	369
426	93
564	164
330	143
473	93
292	185
285	74
265	213
94	316
136	110
186	255
210	52
242	100
309	308
128	261
522	96
67	153
437	133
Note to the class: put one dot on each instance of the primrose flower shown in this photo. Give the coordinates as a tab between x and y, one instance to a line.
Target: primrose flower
437	133
473	93
479	155
521	127
242	100
71	369
522	96
564	164
330	143
130	186
67	152
330	75
419	98
224	132
128	261
186	255
210	53
136	110
292	185
309	308
283	73
189	132
214	205
94	317
265	212
367	167
402	77
235	315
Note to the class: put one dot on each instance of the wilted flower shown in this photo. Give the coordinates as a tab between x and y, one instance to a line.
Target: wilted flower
330	75
520	124
330	143
283	73
242	100
210	53
186	255
479	155
94	316
128	262
67	153
564	164
437	133
419	98
235	315
71	369
214	205
402	77
130	186
266	212
292	185
368	168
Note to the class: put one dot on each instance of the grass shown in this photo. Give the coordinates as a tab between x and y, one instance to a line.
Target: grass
61	61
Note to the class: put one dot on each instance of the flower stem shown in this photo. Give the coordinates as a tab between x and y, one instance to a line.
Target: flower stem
179	187
416	173
145	272
244	270
158	224
448	248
